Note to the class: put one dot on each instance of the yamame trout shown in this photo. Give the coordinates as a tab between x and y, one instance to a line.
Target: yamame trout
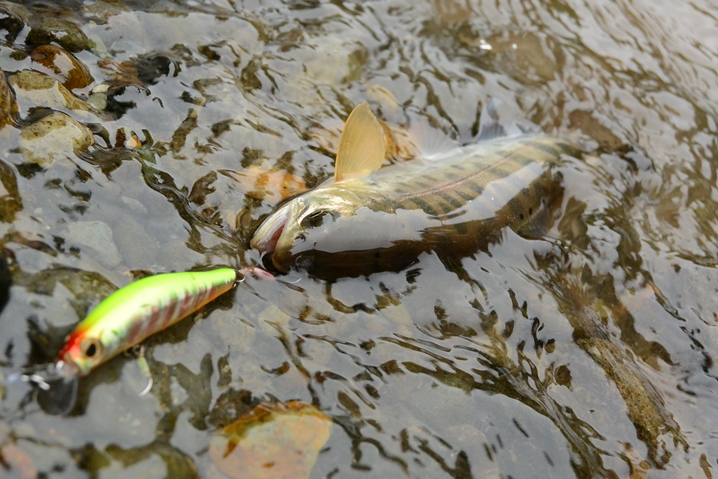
368	219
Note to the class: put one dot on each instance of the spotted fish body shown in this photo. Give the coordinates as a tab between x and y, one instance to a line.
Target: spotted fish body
453	204
139	310
470	194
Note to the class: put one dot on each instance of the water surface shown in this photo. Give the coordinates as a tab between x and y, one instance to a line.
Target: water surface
588	353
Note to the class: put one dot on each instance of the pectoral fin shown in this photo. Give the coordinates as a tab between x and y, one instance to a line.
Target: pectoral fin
362	145
538	224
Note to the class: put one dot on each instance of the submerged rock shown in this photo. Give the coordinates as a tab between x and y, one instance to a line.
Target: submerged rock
268	183
101	10
143	70
8	105
10	200
94	238
274	440
13	18
18	461
57	62
53	137
47	29
34	89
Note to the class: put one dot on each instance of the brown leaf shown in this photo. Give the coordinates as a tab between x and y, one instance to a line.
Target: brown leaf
274	440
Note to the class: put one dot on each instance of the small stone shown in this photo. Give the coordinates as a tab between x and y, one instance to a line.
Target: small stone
10	200
13	18
34	89
137	247
53	137
267	183
98	101
62	65
18	461
134	205
8	105
49	29
102	10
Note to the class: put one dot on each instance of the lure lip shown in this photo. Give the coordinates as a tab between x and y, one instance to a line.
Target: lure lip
56	385
59	394
64	369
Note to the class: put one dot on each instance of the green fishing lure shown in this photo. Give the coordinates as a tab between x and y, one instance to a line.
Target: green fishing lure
131	314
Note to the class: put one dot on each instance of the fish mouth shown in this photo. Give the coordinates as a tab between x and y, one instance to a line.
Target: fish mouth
267	236
269	246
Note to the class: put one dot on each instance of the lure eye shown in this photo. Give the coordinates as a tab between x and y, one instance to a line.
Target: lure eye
91	348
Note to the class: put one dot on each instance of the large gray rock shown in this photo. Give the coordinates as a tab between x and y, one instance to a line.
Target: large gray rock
94	238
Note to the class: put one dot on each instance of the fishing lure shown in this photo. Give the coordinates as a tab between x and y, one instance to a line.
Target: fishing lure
122	320
131	314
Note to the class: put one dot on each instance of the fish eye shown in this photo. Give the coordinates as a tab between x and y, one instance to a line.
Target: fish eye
91	348
314	219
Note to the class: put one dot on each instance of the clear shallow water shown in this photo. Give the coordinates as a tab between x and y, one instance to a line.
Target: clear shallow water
587	354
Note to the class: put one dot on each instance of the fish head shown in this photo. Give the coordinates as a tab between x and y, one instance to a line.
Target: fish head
84	349
295	227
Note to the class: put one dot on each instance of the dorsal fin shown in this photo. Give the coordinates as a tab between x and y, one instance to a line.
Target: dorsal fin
362	145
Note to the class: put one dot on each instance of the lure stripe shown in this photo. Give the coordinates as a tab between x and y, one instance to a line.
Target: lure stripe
159	320
136	329
167	314
153	318
187	302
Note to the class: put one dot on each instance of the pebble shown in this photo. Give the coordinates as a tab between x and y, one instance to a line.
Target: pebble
12	19
53	137
62	65
8	105
34	89
48	29
273	441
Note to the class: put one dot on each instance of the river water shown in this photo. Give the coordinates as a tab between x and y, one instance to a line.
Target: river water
588	353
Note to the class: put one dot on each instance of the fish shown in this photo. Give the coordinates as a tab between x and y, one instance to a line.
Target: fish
369	218
140	309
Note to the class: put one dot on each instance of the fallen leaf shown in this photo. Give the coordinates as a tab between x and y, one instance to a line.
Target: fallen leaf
274	440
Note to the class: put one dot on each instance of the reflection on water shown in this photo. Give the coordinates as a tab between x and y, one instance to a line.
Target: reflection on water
587	353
